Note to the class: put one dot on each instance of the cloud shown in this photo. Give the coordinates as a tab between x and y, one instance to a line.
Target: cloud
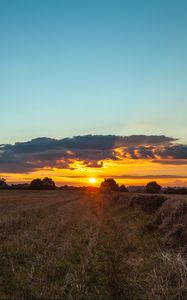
96	142
149	177
89	150
166	154
170	161
173	151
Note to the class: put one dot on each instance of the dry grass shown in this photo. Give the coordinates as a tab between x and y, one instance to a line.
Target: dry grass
69	245
171	220
169	280
148	203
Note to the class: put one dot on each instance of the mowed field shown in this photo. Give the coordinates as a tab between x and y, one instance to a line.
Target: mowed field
75	245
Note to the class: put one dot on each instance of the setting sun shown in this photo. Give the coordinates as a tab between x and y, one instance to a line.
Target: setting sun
92	180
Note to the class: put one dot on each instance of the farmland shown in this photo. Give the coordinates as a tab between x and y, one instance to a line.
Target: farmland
84	245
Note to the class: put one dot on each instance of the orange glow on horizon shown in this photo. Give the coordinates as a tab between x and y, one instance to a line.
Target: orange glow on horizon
127	171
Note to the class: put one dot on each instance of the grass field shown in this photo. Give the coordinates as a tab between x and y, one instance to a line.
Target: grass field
71	245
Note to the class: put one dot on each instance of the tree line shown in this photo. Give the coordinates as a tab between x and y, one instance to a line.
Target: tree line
36	184
47	183
108	185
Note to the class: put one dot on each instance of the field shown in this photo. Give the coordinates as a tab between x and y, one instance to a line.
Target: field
71	245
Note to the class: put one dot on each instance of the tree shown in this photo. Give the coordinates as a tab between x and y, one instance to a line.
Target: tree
48	184
123	188
109	184
3	184
153	187
45	184
36	184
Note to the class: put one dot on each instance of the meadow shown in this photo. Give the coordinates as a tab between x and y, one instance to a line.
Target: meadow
88	245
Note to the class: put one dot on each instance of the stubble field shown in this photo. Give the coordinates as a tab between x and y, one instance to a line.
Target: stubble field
75	245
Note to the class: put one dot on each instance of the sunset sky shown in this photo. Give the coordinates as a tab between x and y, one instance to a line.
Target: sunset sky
93	89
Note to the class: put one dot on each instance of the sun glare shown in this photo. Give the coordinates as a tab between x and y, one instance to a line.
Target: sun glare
92	180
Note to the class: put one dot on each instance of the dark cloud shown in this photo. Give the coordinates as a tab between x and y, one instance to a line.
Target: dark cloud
163	152
91	150
173	151
93	142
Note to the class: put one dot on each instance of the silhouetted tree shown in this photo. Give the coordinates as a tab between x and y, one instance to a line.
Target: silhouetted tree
153	187
3	184
109	184
45	184
123	188
48	184
36	184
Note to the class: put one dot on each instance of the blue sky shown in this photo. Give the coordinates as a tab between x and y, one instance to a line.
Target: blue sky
101	67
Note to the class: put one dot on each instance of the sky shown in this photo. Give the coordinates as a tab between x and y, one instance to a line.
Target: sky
93	67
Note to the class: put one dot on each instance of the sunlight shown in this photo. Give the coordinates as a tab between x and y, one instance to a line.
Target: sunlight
92	180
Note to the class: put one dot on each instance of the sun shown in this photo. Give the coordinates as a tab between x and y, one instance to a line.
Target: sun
92	180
